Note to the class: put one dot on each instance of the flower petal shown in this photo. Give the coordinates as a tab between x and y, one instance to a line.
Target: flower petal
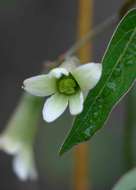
70	63
24	166
58	72
41	85
8	145
76	103
88	75
54	107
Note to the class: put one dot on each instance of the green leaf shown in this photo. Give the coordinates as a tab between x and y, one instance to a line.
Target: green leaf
127	182
119	73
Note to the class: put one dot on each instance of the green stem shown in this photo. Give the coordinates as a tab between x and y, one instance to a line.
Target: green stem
129	128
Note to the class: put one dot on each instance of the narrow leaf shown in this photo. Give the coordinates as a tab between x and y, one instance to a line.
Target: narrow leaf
119	73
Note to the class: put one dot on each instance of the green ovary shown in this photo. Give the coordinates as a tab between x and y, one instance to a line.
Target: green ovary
67	85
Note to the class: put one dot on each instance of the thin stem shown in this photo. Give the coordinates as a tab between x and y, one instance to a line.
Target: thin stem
92	34
101	28
82	41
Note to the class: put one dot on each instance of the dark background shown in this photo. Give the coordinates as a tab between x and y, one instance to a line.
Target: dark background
31	32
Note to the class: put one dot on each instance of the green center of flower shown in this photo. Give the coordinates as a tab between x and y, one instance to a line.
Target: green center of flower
67	85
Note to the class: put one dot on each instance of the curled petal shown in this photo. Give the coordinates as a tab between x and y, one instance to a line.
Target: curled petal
8	145
70	63
41	85
54	107
23	164
88	75
76	103
58	72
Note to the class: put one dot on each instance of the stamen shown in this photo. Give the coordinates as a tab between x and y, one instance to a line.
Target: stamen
67	85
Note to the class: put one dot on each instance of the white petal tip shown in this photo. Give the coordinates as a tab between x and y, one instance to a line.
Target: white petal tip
24	168
48	120
8	145
47	117
54	107
76	112
88	75
58	72
41	85
76	103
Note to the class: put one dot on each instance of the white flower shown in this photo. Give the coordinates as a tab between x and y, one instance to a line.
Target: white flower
23	160
24	165
18	137
67	84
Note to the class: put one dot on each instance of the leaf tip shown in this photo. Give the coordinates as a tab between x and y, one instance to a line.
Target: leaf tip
62	150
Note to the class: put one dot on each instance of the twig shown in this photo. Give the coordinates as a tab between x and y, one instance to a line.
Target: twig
91	34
